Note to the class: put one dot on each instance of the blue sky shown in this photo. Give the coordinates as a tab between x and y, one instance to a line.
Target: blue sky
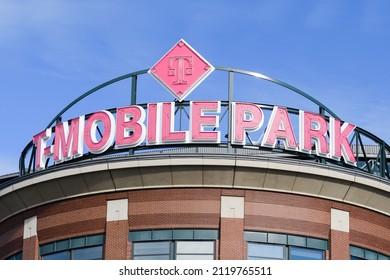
53	51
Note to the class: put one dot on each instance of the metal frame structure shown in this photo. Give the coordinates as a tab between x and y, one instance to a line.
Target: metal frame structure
378	165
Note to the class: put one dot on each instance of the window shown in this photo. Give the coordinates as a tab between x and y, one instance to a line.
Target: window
78	248
173	234
89	253
358	253
174	250
17	256
64	255
152	251
174	244
195	250
275	246
259	251
299	253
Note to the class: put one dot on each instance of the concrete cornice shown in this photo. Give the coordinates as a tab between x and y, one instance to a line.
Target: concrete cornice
196	170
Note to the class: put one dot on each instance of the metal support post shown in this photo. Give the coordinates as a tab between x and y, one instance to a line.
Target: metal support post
230	100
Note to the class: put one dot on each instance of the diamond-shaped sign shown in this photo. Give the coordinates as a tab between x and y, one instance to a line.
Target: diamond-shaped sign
181	70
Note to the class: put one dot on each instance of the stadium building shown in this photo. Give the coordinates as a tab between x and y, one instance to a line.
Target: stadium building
187	179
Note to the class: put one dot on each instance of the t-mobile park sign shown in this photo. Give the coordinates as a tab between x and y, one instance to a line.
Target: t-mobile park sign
180	71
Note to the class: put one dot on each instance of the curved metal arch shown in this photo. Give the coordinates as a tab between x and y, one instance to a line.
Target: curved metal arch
81	97
280	83
220	68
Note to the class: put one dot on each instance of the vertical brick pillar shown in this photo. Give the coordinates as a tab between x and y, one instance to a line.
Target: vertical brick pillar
117	229
30	239
231	245
339	235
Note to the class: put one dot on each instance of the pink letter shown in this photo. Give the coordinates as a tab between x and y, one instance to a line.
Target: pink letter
94	145
68	141
199	121
246	117
168	125
130	128
313	127
279	127
41	151
339	143
154	111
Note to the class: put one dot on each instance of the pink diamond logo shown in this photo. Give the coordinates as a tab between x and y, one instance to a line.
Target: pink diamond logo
181	70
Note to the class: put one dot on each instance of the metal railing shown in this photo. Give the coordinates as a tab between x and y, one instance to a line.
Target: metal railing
371	152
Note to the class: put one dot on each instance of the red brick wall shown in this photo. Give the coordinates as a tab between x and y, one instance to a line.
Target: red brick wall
197	208
287	213
30	248
301	215
231	245
339	245
370	230
174	208
116	240
65	219
11	236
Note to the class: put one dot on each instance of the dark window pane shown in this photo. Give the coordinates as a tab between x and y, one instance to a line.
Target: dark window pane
255	236
95	240
356	252
296	240
277	238
89	253
19	256
62	245
210	234
143	235
162	234
317	243
297	253
47	249
183	234
382	257
151	248
370	255
57	256
77	242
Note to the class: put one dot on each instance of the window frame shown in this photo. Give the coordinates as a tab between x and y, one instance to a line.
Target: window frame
283	247
173	246
71	245
288	241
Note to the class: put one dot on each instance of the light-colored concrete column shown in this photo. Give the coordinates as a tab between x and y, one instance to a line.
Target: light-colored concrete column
30	239
339	235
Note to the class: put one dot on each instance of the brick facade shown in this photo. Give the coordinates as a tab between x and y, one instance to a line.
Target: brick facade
116	246
31	248
232	239
339	245
196	208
